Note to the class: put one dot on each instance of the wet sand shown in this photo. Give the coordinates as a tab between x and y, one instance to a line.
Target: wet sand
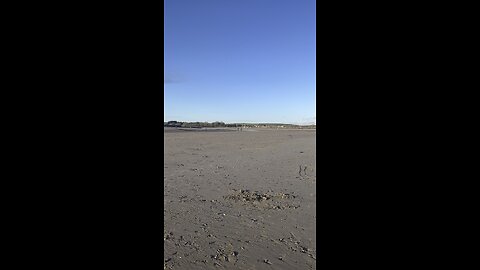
240	200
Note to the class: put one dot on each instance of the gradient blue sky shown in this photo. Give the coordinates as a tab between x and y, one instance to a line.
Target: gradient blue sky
240	60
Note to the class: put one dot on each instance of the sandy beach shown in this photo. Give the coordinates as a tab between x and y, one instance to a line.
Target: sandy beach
239	200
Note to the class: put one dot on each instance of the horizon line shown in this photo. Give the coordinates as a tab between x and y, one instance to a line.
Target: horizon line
282	123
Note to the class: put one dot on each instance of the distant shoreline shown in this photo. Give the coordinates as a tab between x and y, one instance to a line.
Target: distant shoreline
208	129
234	126
185	129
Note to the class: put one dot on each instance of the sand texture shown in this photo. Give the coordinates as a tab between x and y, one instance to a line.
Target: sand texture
240	200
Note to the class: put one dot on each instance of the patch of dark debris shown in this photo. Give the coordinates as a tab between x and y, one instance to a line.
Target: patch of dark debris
225	256
249	196
265	200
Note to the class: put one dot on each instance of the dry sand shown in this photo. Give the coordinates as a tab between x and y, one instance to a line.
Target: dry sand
240	200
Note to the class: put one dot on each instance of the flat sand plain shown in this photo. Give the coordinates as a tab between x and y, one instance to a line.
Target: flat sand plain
240	200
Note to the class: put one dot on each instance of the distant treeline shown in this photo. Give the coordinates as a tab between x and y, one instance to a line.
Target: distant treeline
222	124
197	124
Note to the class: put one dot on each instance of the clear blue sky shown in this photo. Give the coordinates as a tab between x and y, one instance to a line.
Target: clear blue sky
240	60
